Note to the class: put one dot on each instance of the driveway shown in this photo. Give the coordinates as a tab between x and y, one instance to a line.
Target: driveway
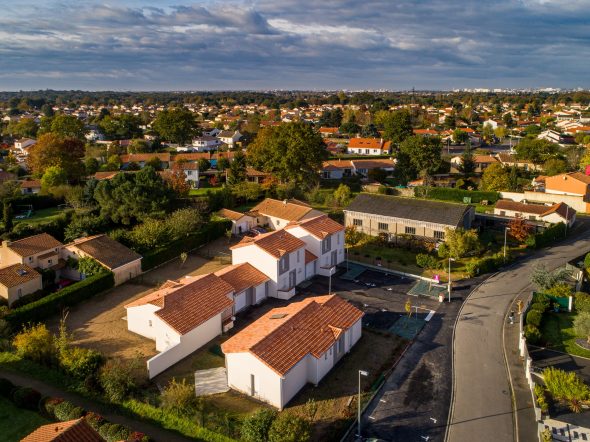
482	408
100	323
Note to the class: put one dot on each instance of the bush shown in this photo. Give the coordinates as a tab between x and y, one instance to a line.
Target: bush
95	420
582	302
454	194
114	432
79	362
533	317
66	411
539	307
5	387
116	379
426	261
289	428
532	334
55	302
561	290
35	342
47	406
547	237
179	397
26	397
255	427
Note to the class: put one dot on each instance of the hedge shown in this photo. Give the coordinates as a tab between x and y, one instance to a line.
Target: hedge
160	255
55	302
551	234
37	201
454	194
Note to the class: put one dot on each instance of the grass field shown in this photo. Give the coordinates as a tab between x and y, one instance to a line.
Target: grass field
39	216
558	331
16	423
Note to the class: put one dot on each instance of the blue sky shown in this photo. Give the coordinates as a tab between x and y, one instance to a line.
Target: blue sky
293	44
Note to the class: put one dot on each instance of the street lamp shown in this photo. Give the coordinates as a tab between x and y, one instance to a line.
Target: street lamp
361	373
450	259
506	229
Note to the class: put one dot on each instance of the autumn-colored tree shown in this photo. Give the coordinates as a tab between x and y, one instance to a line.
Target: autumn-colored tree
176	180
519	228
54	150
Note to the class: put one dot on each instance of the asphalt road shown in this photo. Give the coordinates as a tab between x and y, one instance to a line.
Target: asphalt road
482	406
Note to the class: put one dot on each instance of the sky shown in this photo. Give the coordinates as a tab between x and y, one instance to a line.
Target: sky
293	44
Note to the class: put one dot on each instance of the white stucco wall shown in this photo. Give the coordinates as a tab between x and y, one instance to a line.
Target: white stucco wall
239	301
261	260
138	320
295	379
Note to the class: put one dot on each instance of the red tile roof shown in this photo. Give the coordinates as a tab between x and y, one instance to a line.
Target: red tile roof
284	336
144	157
33	245
367	143
242	276
77	430
230	214
320	227
276	243
17	274
290	210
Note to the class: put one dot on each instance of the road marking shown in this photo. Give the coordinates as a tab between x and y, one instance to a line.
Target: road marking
429	316
372	418
383	400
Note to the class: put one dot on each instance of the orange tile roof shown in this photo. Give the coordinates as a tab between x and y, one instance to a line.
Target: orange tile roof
290	210
580	177
329	130
537	209
337	164
110	253
563	210
484	159
275	243
242	276
367	143
105	175
320	227
230	214
284	336
309	257
425	132
35	244
139	157
17	274
373	164
30	184
187	306
77	430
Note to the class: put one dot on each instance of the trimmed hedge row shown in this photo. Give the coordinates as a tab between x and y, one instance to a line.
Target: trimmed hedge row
37	201
213	230
453	194
546	237
55	302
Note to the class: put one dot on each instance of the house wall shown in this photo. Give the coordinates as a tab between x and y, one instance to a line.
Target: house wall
314	245
187	344
127	271
575	202
138	320
11	294
243	225
268	383
310	269
8	257
295	379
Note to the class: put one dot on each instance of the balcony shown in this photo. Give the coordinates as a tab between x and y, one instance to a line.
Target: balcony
286	293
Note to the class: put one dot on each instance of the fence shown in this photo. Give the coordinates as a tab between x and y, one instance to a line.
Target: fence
524	353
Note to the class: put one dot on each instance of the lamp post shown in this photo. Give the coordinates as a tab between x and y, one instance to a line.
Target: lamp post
361	373
450	259
506	229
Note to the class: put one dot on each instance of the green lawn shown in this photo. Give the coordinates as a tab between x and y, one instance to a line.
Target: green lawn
16	423
38	216
558	332
202	191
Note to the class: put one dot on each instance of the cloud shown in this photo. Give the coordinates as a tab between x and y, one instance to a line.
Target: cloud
305	44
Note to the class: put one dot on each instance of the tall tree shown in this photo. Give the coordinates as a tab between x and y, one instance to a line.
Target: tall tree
292	152
237	169
424	153
397	126
54	150
467	160
66	126
537	151
495	178
176	125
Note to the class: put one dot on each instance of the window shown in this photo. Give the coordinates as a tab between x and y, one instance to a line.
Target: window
367	151
20	292
283	264
338	238
410	230
49	261
30	258
502	213
298	252
532	217
278	222
439	235
150	322
357	222
383	226
327	244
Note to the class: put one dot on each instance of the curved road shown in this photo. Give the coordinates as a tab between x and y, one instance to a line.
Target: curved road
482	403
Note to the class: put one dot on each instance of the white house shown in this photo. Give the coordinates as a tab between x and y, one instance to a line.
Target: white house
288	347
550	135
250	285
552	214
22	146
324	238
206	143
228	137
492	123
369	146
277	214
241	222
279	255
182	317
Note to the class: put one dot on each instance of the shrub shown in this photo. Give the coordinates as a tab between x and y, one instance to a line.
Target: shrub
5	387
289	428
35	342
31	297
533	317
47	406
566	386
255	427
66	411
541	399
116	379
454	194
79	362
443	251
539	307
115	433
95	420
548	236
561	290
587	261
532	334
55	302
138	436
26	397
426	261
178	397
582	302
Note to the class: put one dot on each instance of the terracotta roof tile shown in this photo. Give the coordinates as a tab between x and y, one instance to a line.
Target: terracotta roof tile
284	336
537	209
17	274
367	143
35	244
230	214
106	250
275	243
288	210
76	430
242	276
144	157
319	227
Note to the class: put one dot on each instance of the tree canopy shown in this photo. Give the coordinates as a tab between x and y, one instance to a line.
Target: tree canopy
54	150
495	178
535	150
397	126
176	125
418	155
66	126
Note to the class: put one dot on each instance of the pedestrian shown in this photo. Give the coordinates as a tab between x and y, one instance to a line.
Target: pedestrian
511	317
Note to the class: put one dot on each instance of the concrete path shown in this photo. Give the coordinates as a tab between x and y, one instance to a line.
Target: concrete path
482	407
211	381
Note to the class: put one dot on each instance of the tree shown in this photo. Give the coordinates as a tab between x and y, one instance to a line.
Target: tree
500	132
54	150
585	160
582	325
543	279
255	427
554	166
537	151
487	132
179	397
237	169
91	166
23	128
182	222
138	145
397	126
120	127
203	164
222	163
460	137
370	131
342	195
176	125
53	176
246	190
519	229
177	181
495	178
67	126
566	386
450	122
461	242
508	120
289	428
35	342
350	128
116	378
419	154
292	152
467	161
331	118
352	236
7	216
89	266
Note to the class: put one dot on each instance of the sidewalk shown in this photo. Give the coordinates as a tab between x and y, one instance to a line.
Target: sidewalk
524	413
156	433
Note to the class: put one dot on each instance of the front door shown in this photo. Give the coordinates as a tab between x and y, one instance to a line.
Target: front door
250	297
292	279
334	258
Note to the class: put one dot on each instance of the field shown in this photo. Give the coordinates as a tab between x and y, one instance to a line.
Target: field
16	423
38	216
558	331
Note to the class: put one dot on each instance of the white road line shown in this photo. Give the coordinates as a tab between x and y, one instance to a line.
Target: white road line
429	316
